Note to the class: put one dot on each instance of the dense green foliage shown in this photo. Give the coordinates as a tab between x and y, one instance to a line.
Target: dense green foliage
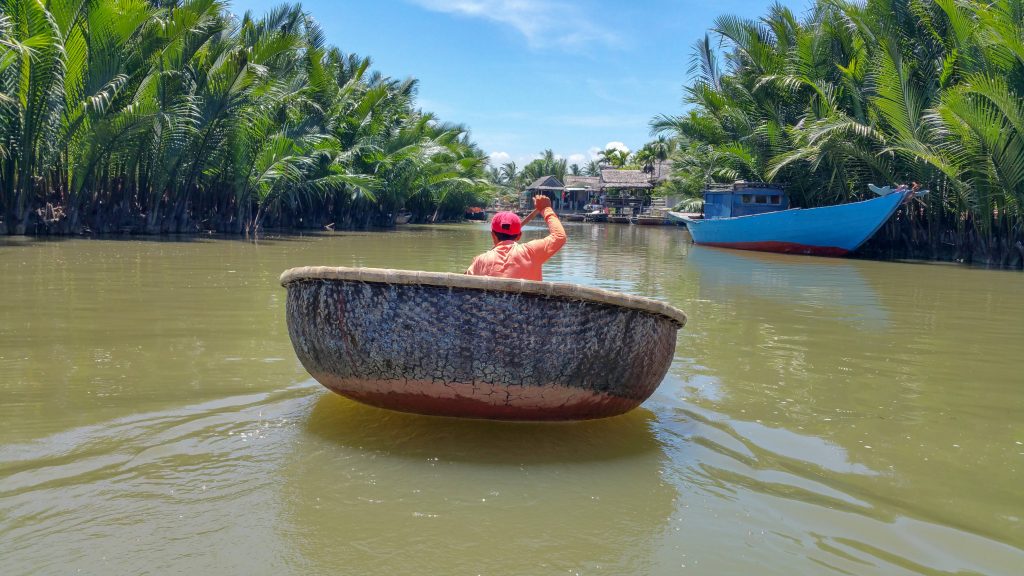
852	93
173	116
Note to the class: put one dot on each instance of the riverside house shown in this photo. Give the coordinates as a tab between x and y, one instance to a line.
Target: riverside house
578	191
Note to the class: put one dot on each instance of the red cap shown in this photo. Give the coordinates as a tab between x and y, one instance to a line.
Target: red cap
506	223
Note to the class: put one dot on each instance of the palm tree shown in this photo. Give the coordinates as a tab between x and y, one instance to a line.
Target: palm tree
169	117
31	84
510	174
882	91
614	157
547	165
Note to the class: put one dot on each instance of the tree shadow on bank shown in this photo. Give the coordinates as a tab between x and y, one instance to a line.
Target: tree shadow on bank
15	241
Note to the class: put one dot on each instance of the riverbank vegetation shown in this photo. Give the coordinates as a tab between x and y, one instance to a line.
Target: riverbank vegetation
851	93
159	117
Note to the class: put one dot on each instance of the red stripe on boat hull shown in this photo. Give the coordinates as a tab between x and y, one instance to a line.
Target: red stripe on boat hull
782	247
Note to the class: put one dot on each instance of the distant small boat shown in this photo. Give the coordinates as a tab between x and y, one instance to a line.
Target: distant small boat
573	217
478	347
476	213
749	216
403	217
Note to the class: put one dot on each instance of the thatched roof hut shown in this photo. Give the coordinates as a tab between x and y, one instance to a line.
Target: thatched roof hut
583	182
614	178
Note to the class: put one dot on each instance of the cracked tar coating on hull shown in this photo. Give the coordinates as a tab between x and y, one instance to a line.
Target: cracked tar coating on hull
479	349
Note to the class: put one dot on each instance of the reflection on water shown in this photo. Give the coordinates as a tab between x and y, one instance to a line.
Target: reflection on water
864	387
406	494
355	425
797	490
820	416
830	287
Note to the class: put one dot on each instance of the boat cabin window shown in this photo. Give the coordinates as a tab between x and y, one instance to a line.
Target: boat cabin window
760	199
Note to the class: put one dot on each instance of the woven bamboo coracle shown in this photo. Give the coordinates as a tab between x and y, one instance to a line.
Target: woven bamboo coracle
478	347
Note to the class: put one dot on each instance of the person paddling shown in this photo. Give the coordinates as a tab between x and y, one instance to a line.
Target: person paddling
508	258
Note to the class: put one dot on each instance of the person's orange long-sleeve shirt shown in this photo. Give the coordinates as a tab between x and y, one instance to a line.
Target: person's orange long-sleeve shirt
509	259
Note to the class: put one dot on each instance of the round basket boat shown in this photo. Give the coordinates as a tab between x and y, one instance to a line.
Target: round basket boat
478	347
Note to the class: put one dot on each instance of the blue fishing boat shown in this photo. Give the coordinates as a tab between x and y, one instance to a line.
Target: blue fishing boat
757	216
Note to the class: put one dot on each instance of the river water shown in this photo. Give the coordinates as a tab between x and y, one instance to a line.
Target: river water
820	416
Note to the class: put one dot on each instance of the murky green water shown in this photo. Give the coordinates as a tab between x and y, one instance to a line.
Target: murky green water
821	416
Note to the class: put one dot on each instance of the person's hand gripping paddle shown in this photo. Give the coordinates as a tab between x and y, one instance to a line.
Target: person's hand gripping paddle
540	202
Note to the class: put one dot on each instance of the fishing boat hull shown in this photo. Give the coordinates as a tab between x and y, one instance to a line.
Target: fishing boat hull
828	231
478	347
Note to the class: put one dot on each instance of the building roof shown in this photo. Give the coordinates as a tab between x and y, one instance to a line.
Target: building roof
616	178
593	182
549	183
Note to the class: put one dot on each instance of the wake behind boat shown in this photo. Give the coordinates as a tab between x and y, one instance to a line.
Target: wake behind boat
756	216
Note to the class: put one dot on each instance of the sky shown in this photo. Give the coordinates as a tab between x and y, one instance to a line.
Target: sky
575	76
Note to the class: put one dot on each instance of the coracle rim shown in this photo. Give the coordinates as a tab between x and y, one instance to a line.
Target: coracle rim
485	283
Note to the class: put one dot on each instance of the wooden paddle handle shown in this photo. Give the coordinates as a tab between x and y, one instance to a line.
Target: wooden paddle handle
529	217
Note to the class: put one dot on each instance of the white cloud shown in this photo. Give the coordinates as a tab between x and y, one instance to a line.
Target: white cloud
541	22
498	158
594	152
617	146
577	159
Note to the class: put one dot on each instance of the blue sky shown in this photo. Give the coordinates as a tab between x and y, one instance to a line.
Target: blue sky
526	75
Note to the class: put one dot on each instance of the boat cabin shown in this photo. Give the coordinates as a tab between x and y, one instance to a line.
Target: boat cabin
743	199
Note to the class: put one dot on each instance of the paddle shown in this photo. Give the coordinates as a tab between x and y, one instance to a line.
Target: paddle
529	217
